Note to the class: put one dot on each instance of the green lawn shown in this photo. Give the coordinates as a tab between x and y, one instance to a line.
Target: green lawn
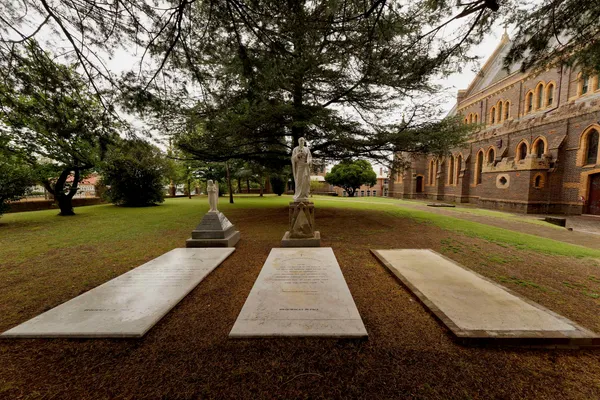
461	208
46	260
489	233
30	234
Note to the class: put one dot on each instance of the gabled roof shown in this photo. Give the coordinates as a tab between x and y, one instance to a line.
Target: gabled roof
90	180
493	70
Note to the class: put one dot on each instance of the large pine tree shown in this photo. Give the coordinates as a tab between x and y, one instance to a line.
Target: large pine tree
246	78
339	73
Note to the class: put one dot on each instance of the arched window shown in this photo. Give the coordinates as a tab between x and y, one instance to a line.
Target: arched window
451	171
539	95
476	118
491	155
493	115
500	114
592	147
431	172
585	84
479	167
458	166
521	151
539	148
437	168
538	181
549	94
506	110
529	102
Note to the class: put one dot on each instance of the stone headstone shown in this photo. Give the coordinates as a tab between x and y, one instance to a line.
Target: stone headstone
300	292
215	230
129	305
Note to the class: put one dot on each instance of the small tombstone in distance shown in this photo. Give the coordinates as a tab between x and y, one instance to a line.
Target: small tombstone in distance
215	230
302	211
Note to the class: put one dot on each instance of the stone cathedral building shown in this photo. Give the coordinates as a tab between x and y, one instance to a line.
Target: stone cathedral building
536	149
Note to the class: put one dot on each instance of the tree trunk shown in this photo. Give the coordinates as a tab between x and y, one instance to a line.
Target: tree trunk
189	182
229	187
239	180
65	199
66	205
247	185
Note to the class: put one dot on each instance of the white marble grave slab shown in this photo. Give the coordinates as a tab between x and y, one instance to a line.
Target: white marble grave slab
299	292
129	305
472	306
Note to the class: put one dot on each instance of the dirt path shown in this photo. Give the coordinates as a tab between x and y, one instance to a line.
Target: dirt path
581	238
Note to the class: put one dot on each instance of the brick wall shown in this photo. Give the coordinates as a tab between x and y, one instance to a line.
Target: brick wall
551	183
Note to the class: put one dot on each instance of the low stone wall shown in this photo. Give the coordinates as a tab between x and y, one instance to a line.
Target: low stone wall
531	207
37	205
325	193
497	204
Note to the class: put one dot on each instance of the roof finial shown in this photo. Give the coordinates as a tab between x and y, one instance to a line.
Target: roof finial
505	34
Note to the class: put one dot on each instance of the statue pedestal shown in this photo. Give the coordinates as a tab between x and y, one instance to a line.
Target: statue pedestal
215	230
302	226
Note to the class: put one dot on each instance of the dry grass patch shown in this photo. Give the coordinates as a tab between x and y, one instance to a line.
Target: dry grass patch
187	355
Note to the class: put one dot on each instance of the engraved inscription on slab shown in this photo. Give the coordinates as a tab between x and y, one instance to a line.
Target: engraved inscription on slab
300	292
129	305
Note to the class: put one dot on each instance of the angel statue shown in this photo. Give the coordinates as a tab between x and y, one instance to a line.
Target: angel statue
301	163
213	195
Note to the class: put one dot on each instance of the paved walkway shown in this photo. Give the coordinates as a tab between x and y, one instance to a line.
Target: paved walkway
586	229
585	223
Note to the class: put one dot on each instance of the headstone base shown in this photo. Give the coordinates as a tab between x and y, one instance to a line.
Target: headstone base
228	241
314	241
215	230
302	226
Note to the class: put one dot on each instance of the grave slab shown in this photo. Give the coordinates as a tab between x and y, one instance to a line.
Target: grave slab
477	310
300	292
129	305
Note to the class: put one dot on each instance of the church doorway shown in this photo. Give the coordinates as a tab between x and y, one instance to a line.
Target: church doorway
594	195
419	184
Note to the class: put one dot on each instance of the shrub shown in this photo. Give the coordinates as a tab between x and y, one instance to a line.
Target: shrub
134	174
15	181
278	184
